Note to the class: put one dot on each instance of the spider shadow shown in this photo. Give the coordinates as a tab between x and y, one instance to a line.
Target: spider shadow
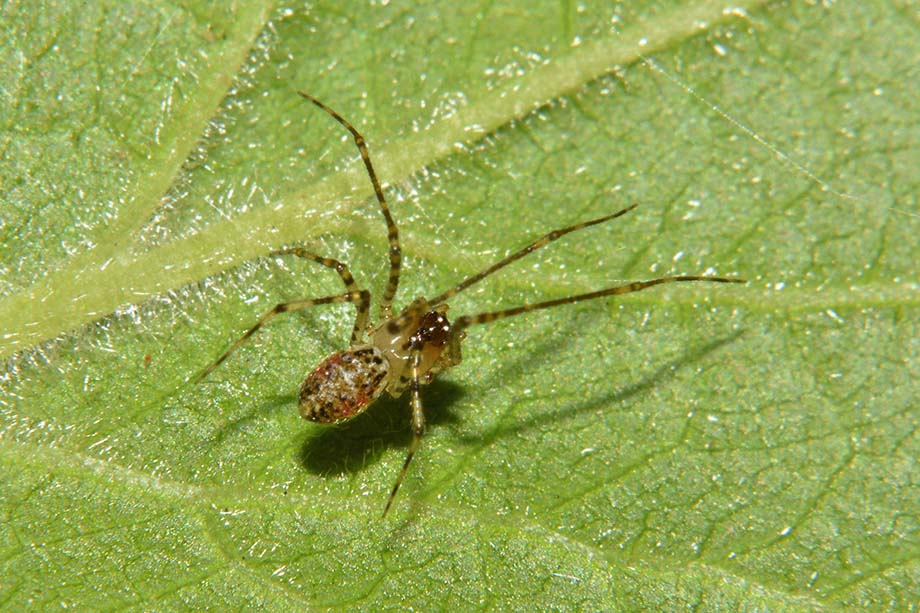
349	447
570	411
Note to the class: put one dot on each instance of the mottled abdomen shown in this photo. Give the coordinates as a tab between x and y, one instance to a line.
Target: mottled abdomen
344	385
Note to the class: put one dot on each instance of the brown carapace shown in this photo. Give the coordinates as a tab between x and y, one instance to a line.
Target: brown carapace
407	350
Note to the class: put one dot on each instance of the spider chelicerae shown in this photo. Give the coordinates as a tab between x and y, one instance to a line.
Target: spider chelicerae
409	349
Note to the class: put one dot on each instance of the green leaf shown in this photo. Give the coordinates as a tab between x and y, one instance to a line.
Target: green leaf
688	446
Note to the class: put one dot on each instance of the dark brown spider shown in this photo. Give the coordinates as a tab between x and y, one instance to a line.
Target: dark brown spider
410	349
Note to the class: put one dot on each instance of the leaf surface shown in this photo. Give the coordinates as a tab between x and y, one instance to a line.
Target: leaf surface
697	445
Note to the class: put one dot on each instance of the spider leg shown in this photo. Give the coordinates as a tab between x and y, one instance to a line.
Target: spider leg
341	268
466	321
537	244
284	307
418	427
395	253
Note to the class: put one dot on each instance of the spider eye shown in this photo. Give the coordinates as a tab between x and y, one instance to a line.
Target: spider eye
433	329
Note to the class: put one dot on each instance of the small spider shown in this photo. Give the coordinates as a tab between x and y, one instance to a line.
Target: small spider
410	349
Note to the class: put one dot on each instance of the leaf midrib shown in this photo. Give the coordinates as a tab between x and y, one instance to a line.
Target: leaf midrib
131	278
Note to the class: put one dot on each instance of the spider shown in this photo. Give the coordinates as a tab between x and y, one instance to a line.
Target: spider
407	350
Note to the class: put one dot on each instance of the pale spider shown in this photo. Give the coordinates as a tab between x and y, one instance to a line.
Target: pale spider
410	349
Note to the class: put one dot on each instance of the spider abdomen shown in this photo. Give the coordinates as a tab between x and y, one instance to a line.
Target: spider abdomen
344	385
